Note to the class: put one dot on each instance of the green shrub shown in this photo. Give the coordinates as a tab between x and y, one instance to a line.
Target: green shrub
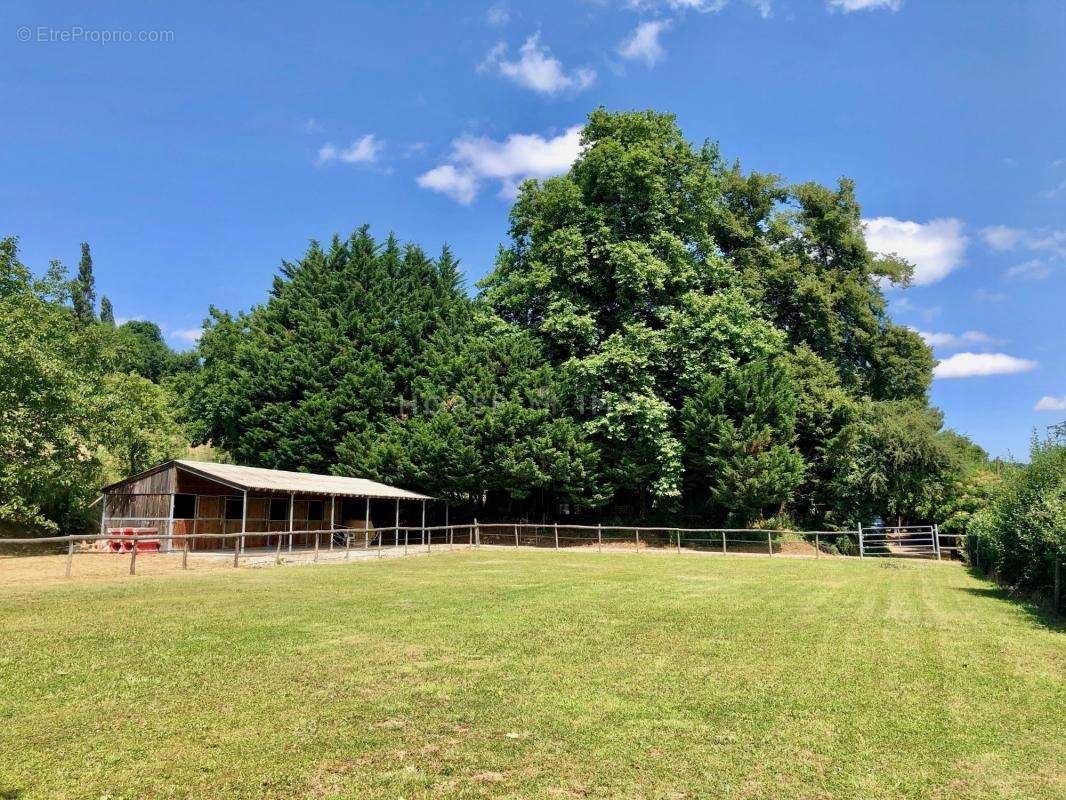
1019	537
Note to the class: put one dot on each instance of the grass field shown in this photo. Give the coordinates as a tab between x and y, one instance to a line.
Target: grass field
530	674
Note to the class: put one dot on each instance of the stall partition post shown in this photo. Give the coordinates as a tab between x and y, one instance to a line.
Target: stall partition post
332	520
292	506
244	522
170	519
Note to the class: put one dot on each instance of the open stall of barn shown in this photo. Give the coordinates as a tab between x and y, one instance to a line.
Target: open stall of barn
197	498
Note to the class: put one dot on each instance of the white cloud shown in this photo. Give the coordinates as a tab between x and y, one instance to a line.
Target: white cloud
537	69
969	365
1049	403
935	247
1034	270
519	156
498	14
986	296
764	7
187	335
1051	194
415	149
951	341
1003	237
460	185
363	150
643	43
702	6
847	6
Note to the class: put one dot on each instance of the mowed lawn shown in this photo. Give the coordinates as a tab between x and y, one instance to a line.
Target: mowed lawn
532	674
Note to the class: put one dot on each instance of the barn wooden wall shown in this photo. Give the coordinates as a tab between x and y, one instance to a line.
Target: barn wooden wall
146	497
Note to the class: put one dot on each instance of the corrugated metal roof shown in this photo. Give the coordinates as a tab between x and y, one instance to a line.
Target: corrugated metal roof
279	480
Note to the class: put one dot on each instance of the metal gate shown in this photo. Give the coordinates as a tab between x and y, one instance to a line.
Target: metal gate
901	541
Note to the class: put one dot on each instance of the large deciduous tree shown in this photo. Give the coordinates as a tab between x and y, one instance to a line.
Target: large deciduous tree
614	268
67	424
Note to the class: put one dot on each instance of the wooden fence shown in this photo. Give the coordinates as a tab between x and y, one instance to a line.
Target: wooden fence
343	544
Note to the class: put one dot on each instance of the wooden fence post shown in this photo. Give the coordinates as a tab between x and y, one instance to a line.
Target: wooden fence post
185	553
477	534
556	535
236	549
723	542
636	545
770	542
862	546
317	537
599	537
817	546
277	552
678	532
70	556
515	537
405	532
133	558
936	540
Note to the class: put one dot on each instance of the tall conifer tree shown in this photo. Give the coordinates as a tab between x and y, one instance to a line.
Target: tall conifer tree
84	290
107	312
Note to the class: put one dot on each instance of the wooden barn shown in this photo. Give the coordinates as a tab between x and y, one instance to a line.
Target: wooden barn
183	497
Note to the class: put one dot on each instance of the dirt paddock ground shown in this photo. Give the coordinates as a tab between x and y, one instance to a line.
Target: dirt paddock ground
27	569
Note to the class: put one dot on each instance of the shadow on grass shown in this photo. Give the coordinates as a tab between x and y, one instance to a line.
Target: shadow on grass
9	792
1037	609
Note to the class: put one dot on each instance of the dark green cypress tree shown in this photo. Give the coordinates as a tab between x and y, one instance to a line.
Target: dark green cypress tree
84	292
309	379
107	313
738	434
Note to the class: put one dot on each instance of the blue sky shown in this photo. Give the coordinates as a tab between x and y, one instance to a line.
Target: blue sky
204	143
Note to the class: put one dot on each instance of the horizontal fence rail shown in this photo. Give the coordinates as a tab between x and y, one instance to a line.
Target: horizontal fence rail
143	539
